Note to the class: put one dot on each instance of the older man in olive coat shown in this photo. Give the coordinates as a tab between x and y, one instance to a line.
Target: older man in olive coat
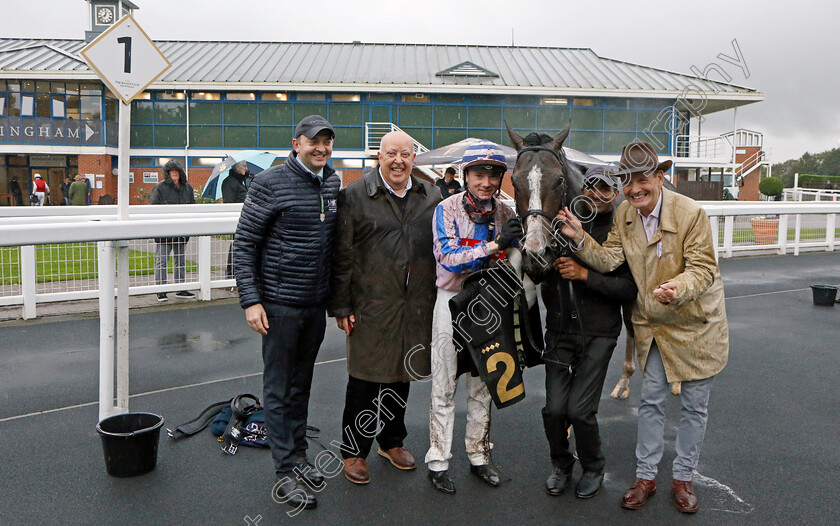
679	317
383	298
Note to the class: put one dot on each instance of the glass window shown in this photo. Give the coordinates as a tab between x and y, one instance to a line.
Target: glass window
14	105
141	136
276	137
554	101
615	141
42	105
652	120
206	113
350	138
380	97
141	161
302	110
142	112
417	97
240	96
58	106
73	107
27	105
347	114
485	117
91	107
206	136
27	85
240	113
111	110
415	116
170	136
2	104
619	120
169	95
345	97
450	117
57	87
274	97
520	100
521	118
493	135
170	112
90	88
315	97
421	135
71	88
589	142
583	102
444	137
588	119
13	85
240	136
275	114
42	86
204	95
451	99
552	117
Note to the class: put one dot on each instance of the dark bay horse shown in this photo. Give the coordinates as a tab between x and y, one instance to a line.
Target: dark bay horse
544	181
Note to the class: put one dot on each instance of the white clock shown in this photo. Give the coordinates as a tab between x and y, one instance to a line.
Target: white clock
104	15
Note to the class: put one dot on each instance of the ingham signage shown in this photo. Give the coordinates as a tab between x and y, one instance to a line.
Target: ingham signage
126	59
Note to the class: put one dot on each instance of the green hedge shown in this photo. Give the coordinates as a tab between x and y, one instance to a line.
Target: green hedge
817	181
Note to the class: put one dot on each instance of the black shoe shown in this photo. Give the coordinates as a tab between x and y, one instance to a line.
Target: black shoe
559	481
589	484
308	471
185	294
487	473
293	492
442	482
161	297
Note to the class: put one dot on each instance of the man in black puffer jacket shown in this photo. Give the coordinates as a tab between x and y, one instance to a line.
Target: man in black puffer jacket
281	260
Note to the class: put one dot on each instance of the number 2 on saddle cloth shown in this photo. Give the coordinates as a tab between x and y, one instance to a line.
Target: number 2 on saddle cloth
495	333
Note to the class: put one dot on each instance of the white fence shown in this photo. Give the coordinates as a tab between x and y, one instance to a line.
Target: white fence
48	254
810	194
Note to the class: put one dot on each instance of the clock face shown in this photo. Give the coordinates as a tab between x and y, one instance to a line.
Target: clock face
104	15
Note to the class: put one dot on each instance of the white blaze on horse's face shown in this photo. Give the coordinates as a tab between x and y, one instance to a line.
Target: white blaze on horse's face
535	241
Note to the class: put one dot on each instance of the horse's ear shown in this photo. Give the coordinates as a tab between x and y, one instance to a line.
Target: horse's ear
514	137
562	135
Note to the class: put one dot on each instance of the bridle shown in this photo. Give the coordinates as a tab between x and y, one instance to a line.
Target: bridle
561	159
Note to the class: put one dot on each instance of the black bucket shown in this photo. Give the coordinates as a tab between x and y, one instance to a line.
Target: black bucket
824	295
130	443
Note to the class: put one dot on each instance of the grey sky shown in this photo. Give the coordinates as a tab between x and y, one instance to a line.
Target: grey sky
790	48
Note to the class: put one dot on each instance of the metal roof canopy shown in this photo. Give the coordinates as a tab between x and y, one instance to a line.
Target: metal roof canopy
345	67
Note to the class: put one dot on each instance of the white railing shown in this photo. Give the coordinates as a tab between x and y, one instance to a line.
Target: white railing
786	227
810	194
704	147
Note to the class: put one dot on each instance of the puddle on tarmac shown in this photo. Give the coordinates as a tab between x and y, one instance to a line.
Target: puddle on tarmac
205	342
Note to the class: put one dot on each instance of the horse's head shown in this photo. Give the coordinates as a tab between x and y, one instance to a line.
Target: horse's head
543	182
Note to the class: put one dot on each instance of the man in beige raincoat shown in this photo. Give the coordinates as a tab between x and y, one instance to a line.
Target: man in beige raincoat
679	317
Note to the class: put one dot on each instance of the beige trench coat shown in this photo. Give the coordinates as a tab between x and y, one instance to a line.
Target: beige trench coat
691	332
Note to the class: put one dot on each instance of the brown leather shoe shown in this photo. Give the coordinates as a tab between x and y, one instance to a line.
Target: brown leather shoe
400	457
684	498
638	494
356	470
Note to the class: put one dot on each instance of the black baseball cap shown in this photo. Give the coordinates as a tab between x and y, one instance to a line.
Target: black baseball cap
311	125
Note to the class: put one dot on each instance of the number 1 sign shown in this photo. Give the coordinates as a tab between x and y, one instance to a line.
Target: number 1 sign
126	59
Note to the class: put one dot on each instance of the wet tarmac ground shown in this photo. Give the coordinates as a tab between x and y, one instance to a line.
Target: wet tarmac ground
770	454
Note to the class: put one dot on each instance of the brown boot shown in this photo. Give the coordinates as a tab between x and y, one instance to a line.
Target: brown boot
356	470
400	457
638	494
684	498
